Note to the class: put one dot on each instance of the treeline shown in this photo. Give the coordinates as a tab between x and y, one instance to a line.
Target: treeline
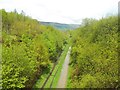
94	55
28	48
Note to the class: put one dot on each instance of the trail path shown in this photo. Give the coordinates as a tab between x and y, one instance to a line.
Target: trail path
64	71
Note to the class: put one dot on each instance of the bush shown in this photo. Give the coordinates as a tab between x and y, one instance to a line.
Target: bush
94	56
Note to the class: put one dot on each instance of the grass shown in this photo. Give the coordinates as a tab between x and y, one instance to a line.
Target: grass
0	52
58	67
68	85
42	78
51	78
70	69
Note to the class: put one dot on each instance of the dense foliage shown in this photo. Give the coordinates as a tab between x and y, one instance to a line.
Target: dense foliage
94	56
28	48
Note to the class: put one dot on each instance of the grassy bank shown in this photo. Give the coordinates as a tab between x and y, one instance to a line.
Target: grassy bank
42	78
59	67
57	71
68	85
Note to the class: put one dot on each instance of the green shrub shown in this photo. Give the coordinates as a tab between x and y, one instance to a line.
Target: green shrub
94	56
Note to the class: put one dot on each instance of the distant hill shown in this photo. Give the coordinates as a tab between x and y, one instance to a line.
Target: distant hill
61	26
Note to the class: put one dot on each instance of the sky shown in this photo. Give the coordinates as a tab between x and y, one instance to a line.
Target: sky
62	11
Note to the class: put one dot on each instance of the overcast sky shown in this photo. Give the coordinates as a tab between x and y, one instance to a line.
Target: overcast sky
62	11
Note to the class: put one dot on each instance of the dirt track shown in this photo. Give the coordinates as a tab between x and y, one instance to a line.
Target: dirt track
64	71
